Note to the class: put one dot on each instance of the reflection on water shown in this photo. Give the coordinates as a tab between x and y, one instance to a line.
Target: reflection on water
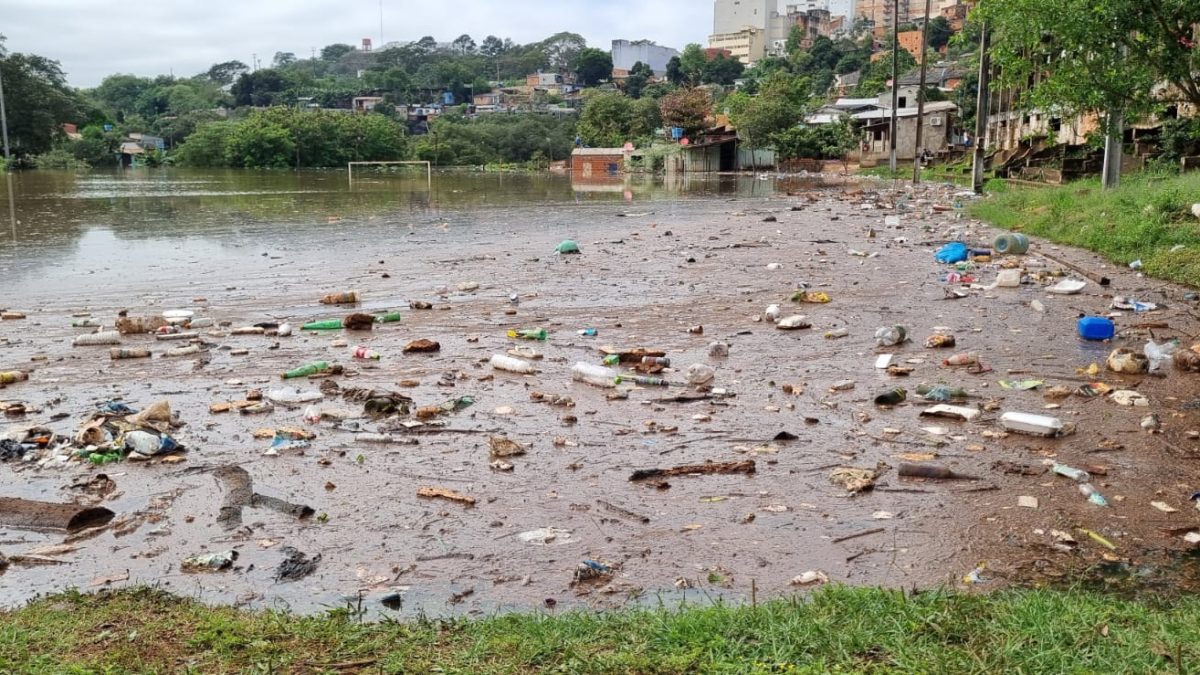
95	222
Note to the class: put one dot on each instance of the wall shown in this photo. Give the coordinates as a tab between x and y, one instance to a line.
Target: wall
910	41
587	166
747	46
625	54
730	16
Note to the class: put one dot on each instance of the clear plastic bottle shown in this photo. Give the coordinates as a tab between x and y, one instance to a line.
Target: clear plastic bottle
510	364
891	336
119	354
597	376
104	338
1093	496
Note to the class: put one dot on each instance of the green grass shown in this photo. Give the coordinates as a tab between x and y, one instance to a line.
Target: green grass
1144	219
836	629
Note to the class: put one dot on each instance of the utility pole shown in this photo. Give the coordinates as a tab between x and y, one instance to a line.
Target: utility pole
381	24
895	79
4	120
982	107
917	153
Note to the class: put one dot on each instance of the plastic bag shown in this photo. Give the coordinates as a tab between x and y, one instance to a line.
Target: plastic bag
954	252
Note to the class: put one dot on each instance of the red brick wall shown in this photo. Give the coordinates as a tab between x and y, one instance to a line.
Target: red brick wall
597	165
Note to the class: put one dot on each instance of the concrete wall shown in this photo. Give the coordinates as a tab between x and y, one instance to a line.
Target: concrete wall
730	16
626	54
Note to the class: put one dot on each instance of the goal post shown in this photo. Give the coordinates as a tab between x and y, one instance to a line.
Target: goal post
428	168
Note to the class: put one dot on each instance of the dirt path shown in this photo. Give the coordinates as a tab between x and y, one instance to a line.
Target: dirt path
641	282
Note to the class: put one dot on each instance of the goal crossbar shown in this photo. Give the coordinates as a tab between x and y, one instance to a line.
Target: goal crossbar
428	168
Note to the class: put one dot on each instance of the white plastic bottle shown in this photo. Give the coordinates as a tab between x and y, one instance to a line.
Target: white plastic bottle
512	365
597	376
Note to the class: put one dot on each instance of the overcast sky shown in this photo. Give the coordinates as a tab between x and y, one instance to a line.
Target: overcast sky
151	37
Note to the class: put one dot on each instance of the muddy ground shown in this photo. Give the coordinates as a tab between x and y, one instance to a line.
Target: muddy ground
648	272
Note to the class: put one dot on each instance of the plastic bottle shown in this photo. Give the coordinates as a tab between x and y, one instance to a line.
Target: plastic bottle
119	354
892	397
290	396
528	334
1071	472
1096	328
837	333
12	377
390	317
305	371
613	359
964	359
1009	279
941	392
312	415
347	298
1013	243
656	361
365	353
890	337
1158	353
510	364
588	332
644	380
700	374
772	314
597	376
1087	490
133	325
332	324
85	323
202	323
284	330
184	351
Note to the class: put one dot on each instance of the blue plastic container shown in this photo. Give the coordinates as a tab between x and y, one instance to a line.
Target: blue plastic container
1096	328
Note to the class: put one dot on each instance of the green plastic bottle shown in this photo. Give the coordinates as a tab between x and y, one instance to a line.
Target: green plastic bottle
332	324
305	371
390	317
528	334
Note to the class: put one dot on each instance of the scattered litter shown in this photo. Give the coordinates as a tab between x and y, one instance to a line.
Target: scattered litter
1027	502
295	565
211	562
809	578
855	480
546	536
443	493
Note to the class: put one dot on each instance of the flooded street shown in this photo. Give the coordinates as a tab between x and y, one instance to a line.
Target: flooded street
657	260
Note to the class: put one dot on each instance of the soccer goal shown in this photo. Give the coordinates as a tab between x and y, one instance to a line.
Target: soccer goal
428	168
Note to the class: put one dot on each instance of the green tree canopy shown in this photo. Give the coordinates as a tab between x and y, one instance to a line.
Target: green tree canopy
609	120
688	109
38	101
593	66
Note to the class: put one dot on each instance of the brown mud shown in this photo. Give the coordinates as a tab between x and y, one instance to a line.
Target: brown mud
641	281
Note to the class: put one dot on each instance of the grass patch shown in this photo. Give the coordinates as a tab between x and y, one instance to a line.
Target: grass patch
836	629
1144	219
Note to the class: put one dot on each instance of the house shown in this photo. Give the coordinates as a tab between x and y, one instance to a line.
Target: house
844	84
365	104
748	45
597	162
492	101
939	135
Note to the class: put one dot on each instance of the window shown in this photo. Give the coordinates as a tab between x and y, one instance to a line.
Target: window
903	102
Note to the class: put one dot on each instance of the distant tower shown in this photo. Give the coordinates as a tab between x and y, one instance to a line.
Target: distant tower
731	16
366	44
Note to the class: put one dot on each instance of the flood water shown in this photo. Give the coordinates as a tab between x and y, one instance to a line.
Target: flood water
660	257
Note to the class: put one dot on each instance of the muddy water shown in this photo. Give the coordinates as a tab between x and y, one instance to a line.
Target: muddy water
657	260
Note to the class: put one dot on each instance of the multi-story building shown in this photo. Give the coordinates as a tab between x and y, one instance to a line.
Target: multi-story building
731	16
747	45
811	22
627	53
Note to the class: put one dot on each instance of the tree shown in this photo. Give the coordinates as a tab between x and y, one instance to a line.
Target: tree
639	77
691	64
722	70
1080	56
609	120
492	47
675	71
593	66
283	59
779	105
38	101
940	33
563	48
464	44
335	51
688	109
225	73
119	94
260	88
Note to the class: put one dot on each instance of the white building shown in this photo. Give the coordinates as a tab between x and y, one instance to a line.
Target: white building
626	53
731	16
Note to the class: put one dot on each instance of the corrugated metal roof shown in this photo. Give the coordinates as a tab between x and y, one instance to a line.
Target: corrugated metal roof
931	107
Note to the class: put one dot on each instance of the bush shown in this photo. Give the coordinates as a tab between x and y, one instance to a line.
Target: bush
58	159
